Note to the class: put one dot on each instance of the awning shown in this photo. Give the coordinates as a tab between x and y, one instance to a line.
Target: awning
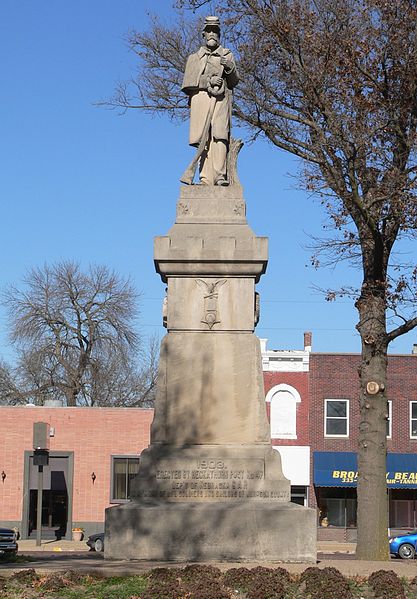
335	468
339	469
402	470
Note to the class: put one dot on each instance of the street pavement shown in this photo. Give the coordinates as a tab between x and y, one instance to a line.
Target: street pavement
54	556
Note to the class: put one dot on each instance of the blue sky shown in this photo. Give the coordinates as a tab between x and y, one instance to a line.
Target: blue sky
85	183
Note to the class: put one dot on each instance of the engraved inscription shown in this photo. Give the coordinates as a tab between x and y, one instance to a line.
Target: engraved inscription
214	479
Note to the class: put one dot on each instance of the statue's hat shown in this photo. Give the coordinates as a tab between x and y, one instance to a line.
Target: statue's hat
211	22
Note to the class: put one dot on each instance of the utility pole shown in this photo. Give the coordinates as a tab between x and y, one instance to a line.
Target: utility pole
39	507
40	459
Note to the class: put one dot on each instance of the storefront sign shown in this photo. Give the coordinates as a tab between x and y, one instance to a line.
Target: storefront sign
396	479
346	476
339	469
393	478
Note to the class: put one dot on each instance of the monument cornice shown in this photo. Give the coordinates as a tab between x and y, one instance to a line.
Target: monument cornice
214	268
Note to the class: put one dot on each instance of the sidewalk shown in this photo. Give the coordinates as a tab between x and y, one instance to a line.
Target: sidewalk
330	547
29	546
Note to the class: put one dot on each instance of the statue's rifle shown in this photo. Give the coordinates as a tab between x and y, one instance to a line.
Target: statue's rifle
189	172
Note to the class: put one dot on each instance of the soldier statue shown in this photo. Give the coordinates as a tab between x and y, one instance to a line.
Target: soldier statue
210	76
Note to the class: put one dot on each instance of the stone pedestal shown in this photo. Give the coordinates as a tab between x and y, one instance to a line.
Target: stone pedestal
210	486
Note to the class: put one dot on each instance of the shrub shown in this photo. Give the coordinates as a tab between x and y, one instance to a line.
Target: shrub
25	576
259	582
387	585
74	576
325	584
238	578
163	583
196	572
267	589
203	582
268	583
207	589
163	575
53	582
159	590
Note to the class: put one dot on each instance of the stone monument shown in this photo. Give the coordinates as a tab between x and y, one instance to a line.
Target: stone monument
210	485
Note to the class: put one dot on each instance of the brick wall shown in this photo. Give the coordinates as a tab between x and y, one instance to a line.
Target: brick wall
93	434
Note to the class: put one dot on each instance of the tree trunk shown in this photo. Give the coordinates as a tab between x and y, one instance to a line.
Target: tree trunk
72	393
372	513
71	398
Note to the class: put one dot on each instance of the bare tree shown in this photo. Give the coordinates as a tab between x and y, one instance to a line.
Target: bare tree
117	380
10	392
76	336
162	53
333	82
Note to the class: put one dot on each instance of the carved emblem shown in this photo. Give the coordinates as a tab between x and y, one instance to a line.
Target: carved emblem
239	208
183	208
211	311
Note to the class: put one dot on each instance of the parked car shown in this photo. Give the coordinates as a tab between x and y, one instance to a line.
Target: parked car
8	540
403	546
96	542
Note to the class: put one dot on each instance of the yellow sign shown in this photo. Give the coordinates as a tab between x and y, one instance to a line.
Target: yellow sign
393	478
346	476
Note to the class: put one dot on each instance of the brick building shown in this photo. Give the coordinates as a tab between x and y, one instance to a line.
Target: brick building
313	408
334	420
286	380
94	453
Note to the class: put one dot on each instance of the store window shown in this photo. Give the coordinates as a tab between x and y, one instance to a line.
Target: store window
402	508
337	507
336	418
413	419
124	469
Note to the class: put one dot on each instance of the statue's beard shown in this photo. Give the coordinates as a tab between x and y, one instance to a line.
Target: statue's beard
212	42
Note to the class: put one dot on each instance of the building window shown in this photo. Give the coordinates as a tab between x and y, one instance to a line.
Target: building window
299	495
336	418
124	469
413	419
283	413
389	419
403	508
337	507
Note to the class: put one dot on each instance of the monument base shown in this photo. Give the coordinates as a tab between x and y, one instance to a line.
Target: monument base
241	531
210	473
